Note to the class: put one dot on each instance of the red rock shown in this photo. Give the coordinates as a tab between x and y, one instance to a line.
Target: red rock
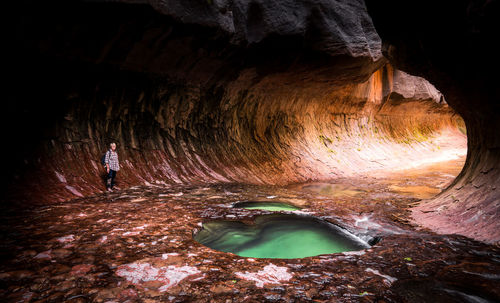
61	253
28	253
16	275
54	297
21	297
45	255
105	294
66	239
81	269
128	293
76	300
60	268
64	286
220	289
61	277
153	284
153	293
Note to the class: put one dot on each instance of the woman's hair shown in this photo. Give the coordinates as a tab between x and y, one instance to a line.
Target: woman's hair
112	143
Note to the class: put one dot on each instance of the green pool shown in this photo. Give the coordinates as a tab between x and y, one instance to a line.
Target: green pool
266	205
284	236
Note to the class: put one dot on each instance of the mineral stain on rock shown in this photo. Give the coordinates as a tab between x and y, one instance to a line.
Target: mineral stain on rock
271	274
164	277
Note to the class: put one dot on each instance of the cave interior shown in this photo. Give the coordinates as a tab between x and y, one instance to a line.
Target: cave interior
378	121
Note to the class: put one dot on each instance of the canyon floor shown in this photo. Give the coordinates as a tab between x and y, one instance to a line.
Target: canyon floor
136	245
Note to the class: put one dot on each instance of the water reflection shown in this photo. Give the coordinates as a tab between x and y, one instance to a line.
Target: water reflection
278	236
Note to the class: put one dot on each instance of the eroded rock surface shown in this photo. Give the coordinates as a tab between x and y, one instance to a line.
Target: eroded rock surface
188	104
137	245
255	92
451	44
199	117
336	28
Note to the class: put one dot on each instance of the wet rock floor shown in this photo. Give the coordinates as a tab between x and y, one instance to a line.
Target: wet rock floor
136	245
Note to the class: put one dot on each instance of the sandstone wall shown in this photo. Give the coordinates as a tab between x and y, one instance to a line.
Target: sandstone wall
257	92
187	105
452	44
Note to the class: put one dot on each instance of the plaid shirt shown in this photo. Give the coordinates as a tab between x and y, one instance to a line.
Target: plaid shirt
112	160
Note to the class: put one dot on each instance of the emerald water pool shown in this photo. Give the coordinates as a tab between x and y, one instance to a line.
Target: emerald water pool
266	205
284	236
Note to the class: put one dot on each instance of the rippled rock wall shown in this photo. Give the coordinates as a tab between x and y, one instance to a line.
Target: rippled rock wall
187	106
454	49
191	98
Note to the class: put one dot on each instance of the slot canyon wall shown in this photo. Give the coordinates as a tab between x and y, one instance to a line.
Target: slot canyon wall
217	119
237	91
454	49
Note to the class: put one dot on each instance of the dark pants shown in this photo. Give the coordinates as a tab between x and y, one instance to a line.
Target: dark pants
110	179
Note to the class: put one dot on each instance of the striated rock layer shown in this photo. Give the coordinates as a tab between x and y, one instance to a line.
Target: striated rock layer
253	99
452	45
201	115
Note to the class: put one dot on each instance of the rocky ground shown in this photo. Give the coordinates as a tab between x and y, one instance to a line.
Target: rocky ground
136	245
